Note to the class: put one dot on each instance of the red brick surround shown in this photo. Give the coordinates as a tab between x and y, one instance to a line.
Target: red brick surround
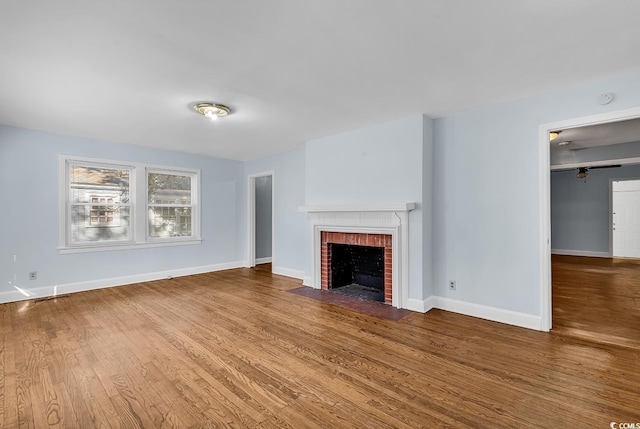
372	240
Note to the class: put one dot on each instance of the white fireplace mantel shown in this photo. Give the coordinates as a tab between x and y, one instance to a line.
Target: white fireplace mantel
401	207
392	219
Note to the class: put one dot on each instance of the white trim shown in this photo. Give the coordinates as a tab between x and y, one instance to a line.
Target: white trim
62	200
263	261
307	281
128	246
545	197
545	228
403	207
251	216
51	291
589	164
251	222
509	317
494	314
611	216
600	118
288	272
419	305
590	253
383	221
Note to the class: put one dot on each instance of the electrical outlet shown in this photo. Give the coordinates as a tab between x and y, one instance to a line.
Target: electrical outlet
452	285
33	275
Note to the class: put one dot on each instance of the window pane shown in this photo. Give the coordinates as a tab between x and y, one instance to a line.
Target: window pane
96	184
99	198
169	222
89	225
169	189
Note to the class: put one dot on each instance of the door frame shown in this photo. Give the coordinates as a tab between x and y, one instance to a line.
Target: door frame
546	305
251	217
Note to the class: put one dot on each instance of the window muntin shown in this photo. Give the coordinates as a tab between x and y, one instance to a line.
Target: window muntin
98	203
102	215
169	201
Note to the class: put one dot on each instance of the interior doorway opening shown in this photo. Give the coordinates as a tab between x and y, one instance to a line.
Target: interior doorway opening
578	283
260	220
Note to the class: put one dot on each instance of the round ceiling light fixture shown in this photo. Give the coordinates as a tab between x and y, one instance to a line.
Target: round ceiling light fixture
212	111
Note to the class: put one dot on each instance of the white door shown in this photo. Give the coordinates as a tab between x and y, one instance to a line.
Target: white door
626	218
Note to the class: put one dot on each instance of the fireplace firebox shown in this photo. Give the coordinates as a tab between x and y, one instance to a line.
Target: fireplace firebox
357	271
357	264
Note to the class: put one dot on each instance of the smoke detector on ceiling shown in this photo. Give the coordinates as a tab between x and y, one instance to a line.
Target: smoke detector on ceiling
606	98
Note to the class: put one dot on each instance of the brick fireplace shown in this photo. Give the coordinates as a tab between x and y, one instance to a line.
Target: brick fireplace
376	225
383	241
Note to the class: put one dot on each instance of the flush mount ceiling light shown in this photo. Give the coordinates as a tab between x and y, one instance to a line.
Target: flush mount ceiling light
212	111
563	143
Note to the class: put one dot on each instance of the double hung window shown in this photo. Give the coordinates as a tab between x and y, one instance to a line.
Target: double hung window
103	205
169	203
98	203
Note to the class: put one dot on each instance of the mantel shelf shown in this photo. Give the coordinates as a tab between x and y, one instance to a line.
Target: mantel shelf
400	207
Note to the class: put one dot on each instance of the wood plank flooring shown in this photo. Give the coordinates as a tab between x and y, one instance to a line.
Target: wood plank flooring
235	349
597	299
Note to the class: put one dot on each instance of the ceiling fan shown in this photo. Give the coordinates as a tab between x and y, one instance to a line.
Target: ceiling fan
583	172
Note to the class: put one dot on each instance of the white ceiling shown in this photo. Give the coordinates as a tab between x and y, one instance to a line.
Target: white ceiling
291	70
608	134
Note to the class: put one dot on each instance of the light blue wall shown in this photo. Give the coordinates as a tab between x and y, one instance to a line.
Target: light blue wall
487	193
485	217
378	164
580	209
291	241
29	227
263	216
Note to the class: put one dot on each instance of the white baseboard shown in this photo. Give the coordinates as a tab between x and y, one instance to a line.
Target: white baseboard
307	281
263	260
417	305
296	274
476	310
581	253
22	294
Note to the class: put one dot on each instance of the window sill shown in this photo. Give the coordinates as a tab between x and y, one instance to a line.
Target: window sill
127	246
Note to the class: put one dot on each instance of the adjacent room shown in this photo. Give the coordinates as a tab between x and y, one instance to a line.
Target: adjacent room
313	214
595	226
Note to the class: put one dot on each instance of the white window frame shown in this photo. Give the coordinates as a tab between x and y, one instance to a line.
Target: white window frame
138	212
195	197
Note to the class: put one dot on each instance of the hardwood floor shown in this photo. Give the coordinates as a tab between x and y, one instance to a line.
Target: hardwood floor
235	349
597	299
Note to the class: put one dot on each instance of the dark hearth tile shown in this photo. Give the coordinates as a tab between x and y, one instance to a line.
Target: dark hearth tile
373	308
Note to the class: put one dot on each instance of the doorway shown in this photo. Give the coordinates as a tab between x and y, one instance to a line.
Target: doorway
580	272
260	219
625	201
